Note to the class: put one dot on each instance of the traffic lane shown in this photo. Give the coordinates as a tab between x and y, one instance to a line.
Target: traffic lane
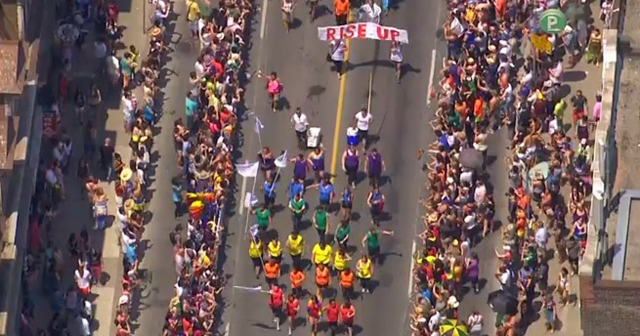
487	247
299	59
156	247
399	129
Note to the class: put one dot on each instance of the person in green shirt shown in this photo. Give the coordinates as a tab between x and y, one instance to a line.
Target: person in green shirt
342	234
371	241
263	217
297	206
321	221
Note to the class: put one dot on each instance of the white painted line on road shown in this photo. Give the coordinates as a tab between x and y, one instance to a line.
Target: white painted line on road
414	246
263	19
432	72
226	329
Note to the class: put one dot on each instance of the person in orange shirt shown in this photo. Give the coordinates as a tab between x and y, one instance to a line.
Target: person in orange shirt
323	279
341	10
346	283
297	277
272	271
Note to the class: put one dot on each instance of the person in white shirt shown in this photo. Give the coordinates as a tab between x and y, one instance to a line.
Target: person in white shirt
300	124
363	120
396	58
83	279
337	51
370	12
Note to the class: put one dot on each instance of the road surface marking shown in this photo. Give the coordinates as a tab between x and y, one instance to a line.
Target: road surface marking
227	328
432	72
336	132
243	191
413	252
263	19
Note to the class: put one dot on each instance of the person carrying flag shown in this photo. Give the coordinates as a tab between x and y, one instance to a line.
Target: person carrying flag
293	305
348	315
276	300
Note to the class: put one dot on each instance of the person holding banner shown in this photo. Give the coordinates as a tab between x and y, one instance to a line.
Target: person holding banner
337	52
395	55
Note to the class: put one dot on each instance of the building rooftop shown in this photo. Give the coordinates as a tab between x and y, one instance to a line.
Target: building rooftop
12	60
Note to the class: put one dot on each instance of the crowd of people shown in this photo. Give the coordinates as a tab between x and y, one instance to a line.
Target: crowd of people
481	90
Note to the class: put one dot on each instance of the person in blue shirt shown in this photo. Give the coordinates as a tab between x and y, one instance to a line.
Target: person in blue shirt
325	192
176	196
191	108
295	187
269	188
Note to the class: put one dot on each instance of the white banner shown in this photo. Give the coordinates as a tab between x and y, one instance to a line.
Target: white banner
248	169
363	30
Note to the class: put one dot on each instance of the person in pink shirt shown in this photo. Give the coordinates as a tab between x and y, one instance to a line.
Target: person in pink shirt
597	109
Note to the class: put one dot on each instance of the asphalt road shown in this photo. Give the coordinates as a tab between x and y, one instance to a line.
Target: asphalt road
400	114
400	126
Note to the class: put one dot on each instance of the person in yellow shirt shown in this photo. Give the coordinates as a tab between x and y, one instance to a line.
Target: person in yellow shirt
341	261
295	243
193	15
321	253
255	253
275	249
365	272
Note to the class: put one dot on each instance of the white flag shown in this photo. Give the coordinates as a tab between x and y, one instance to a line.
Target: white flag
258	125
282	160
248	169
250	200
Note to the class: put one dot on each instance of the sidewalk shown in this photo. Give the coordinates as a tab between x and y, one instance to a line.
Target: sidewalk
587	78
75	213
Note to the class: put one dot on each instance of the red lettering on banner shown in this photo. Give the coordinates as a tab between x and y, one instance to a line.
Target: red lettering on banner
330	34
351	29
394	34
383	32
362	30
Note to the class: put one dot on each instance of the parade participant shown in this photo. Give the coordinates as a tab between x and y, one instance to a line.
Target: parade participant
323	279
337	52
395	55
295	244
333	313
321	222
326	192
272	271
293	305
287	7
297	206
350	164
371	241
374	166
274	86
341	10
276	301
347	278
275	249
363	120
314	309
347	203
297	277
342	234
348	315
255	253
316	161
365	272
321	253
299	168
300	124
263	219
375	201
341	261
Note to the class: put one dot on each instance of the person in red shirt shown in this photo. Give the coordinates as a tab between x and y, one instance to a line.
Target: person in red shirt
314	308
292	310
347	315
276	300
333	311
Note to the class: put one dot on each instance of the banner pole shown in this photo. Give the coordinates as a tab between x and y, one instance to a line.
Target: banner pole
369	93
